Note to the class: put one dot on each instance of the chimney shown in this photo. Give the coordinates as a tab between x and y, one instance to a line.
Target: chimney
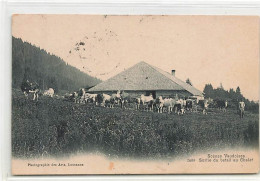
173	72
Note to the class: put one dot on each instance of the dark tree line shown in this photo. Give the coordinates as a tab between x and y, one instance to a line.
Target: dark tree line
231	95
49	71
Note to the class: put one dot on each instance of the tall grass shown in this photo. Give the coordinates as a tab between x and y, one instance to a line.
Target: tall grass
56	127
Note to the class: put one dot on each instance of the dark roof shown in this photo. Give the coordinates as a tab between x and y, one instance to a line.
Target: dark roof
143	76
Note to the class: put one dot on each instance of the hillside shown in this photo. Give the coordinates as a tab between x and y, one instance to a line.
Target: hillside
36	65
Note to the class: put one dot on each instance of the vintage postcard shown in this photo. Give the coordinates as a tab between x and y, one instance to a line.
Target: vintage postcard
107	94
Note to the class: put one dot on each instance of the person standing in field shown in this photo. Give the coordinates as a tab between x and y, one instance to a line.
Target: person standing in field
241	106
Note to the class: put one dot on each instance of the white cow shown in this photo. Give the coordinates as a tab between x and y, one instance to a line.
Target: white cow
107	100
116	97
147	100
170	104
49	92
137	102
241	106
74	97
144	99
91	97
35	94
81	95
205	107
167	102
177	104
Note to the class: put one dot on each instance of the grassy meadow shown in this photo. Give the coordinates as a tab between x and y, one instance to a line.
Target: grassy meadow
56	127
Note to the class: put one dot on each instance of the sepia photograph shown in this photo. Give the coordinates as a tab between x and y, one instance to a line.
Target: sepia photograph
134	94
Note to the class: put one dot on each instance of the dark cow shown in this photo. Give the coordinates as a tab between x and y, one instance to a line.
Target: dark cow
74	97
221	104
178	108
189	104
100	98
151	105
110	102
25	87
180	105
70	96
124	99
33	88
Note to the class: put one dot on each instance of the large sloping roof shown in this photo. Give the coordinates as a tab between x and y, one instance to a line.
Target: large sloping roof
143	76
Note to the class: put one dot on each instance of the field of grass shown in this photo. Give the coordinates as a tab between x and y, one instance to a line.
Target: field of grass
55	127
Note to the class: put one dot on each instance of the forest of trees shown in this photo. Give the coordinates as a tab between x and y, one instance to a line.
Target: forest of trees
231	95
49	71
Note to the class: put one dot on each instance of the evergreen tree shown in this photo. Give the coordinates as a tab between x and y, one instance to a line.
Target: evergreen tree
208	91
239	96
232	94
238	90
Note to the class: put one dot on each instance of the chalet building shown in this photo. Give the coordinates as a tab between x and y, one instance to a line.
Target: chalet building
146	79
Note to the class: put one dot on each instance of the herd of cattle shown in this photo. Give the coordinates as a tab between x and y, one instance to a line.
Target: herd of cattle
148	103
125	100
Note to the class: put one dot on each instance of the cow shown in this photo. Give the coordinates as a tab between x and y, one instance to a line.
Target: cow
68	96
221	105
33	88
144	99
124	99
116	97
159	104
49	92
137	102
179	106
99	99
25	87
81	95
91	98
189	104
205	108
106	100
204	104
167	102
226	105
241	106
74	97
148	101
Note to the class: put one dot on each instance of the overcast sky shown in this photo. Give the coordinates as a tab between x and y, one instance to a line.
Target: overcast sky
205	49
